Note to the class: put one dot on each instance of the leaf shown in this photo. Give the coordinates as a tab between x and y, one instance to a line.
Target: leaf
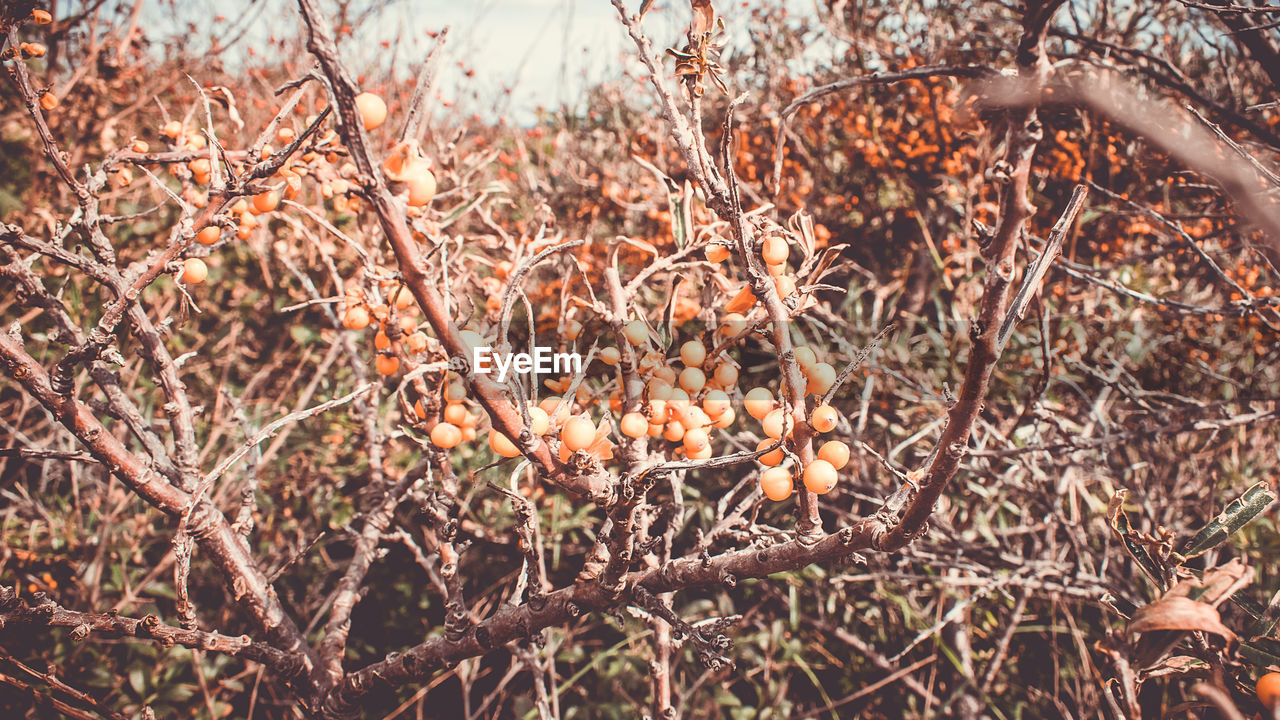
1163	623
1236	515
1119	522
1263	652
704	17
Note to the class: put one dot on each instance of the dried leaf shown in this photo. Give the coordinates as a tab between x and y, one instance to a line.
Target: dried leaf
1119	521
704	17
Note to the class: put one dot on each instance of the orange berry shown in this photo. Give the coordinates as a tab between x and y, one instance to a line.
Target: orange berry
701	453
694	417
387	364
578	433
373	112
48	101
696	439
446	435
209	235
416	342
806	357
821	377
610	356
419	410
732	324
41	17
572	329
422	187
194	271
140	146
173	129
674	431
726	419
774	250
692	379
633	424
381	341
834	452
454	392
758	402
455	413
1268	690
776	483
776	423
636	332
716	403
356	318
693	353
266	202
34	50
539	420
726	375
785	286
502	444
717	253
773	457
823	418
820	477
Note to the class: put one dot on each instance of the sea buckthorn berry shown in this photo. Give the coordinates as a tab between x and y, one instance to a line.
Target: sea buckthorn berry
821	377
820	477
356	318
726	419
693	353
403	298
454	392
636	332
266	202
776	483
419	410
776	423
692	379
455	413
717	253
694	417
373	112
834	452
823	418
387	364
758	402
785	286
578	434
41	17
726	375
674	431
696	439
656	429
773	457
422	186
469	433
657	409
633	425
610	356
665	373
194	271
446	435
732	324
716	403
806	357
1268	690
140	146
209	235
701	453
48	101
774	250
777	271
502	444
172	129
539	420
381	341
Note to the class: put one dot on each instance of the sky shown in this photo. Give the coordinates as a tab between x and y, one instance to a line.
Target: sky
544	51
